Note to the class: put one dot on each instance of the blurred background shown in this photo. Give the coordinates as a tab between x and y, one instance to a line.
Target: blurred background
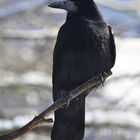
28	30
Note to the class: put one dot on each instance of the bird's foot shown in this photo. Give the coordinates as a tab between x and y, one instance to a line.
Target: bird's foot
102	76
67	99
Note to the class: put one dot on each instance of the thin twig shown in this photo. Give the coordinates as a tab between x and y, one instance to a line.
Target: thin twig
87	86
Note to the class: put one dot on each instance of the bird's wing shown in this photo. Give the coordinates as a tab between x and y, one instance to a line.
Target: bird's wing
112	46
58	50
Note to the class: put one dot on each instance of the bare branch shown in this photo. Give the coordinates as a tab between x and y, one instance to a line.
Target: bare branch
87	86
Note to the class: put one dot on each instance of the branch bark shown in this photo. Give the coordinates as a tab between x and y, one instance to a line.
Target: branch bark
90	84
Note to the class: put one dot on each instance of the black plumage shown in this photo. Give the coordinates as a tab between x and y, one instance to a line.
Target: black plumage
84	48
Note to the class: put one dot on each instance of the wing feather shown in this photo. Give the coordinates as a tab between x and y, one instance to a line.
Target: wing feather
112	46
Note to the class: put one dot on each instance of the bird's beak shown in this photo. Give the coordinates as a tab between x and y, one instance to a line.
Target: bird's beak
67	5
58	4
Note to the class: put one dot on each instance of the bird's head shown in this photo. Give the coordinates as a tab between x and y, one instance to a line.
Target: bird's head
71	5
84	8
68	5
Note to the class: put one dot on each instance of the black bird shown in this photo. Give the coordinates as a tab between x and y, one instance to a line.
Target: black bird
84	48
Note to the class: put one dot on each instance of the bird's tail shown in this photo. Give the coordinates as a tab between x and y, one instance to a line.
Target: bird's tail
70	122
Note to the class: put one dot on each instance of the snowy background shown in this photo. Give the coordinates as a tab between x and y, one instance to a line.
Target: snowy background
28	30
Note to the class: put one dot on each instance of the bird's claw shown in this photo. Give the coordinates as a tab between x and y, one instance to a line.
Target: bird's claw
102	76
67	100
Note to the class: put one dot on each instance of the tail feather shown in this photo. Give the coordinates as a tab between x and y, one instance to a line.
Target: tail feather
70	122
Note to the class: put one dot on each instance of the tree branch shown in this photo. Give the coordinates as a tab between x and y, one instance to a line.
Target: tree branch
87	86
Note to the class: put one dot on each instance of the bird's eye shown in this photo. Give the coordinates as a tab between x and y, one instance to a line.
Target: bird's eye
64	2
